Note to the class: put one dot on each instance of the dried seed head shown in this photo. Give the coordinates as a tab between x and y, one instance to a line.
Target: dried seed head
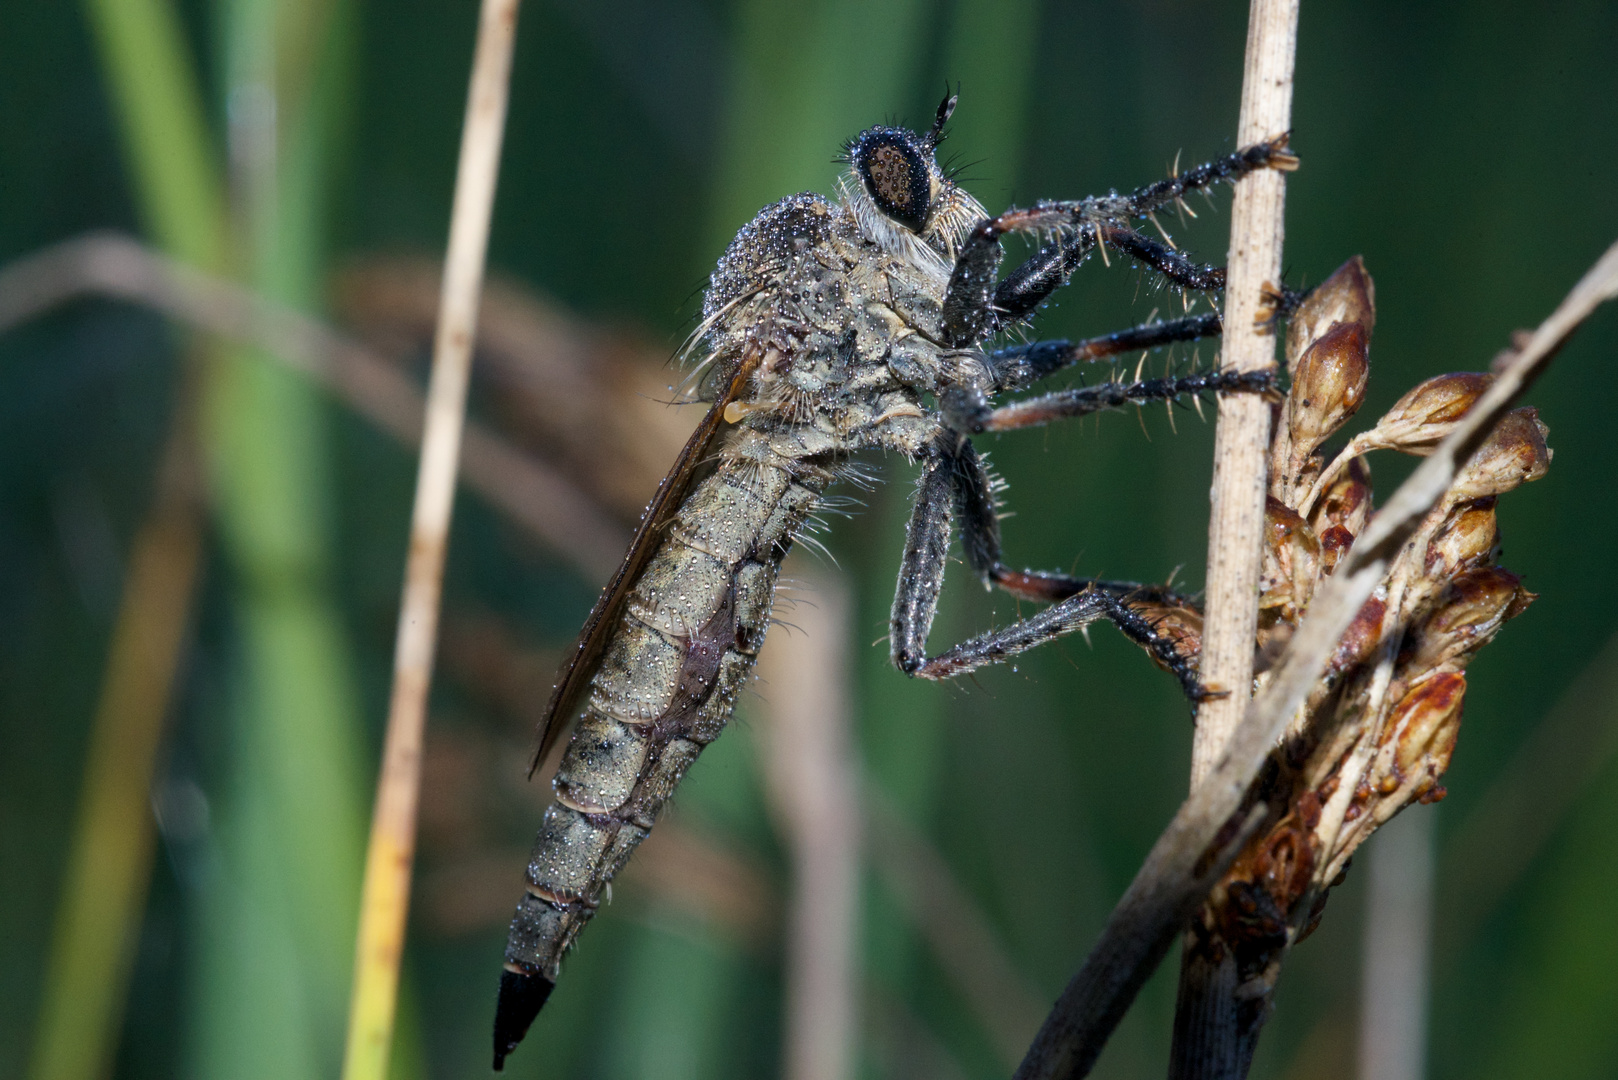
1469	537
1377	731
1291	561
1514	453
1347	502
1348	296
1328	386
1420	420
1474	607
1363	635
1423	727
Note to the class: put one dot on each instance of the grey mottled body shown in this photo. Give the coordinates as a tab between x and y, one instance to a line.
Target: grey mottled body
844	334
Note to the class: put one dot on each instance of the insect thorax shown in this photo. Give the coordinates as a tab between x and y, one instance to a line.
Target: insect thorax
845	329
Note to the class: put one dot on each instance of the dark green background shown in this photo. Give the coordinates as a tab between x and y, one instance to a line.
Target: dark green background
1467	150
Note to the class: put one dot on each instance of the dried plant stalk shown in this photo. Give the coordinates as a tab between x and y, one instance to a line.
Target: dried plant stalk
1202	1046
1208	830
1242	437
813	775
386	895
1378	730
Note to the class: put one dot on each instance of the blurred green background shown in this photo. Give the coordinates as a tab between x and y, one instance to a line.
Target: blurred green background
1467	150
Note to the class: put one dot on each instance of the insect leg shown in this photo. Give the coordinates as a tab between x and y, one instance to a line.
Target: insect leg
1084	400
1270	154
1116	209
955	484
1074	613
1162	258
972	303
1015	367
975	306
1280	302
1030	284
968	314
921	570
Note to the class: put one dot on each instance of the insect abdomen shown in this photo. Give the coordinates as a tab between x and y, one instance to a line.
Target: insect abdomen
667	684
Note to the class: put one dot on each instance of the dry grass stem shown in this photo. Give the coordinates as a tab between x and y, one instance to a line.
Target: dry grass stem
1242	437
1395	962
591	398
813	782
1201	1047
386	891
1378	730
1205	832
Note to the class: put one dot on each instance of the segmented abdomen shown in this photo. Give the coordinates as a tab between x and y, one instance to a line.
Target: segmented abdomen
668	680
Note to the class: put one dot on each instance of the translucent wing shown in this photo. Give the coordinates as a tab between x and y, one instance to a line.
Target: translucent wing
586	655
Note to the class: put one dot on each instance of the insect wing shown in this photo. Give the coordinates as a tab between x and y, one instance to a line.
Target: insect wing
581	664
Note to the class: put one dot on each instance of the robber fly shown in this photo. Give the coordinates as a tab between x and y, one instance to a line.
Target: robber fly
830	327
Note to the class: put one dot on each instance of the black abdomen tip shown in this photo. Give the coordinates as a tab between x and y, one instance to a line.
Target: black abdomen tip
521	997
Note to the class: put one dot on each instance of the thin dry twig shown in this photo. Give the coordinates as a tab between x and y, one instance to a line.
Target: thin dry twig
591	399
533	494
810	764
1204	1043
1203	838
386	894
1242	437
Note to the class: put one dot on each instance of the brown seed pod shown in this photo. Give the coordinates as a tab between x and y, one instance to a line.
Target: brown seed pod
1346	502
1348	296
1328	387
1291	561
1474	607
1422	418
1425	723
1327	339
1469	537
1334	543
1514	453
1416	744
1363	635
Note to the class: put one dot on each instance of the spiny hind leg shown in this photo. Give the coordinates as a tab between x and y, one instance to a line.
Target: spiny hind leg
954	484
1100	601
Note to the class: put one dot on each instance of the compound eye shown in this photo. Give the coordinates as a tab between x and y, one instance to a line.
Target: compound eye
895	175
